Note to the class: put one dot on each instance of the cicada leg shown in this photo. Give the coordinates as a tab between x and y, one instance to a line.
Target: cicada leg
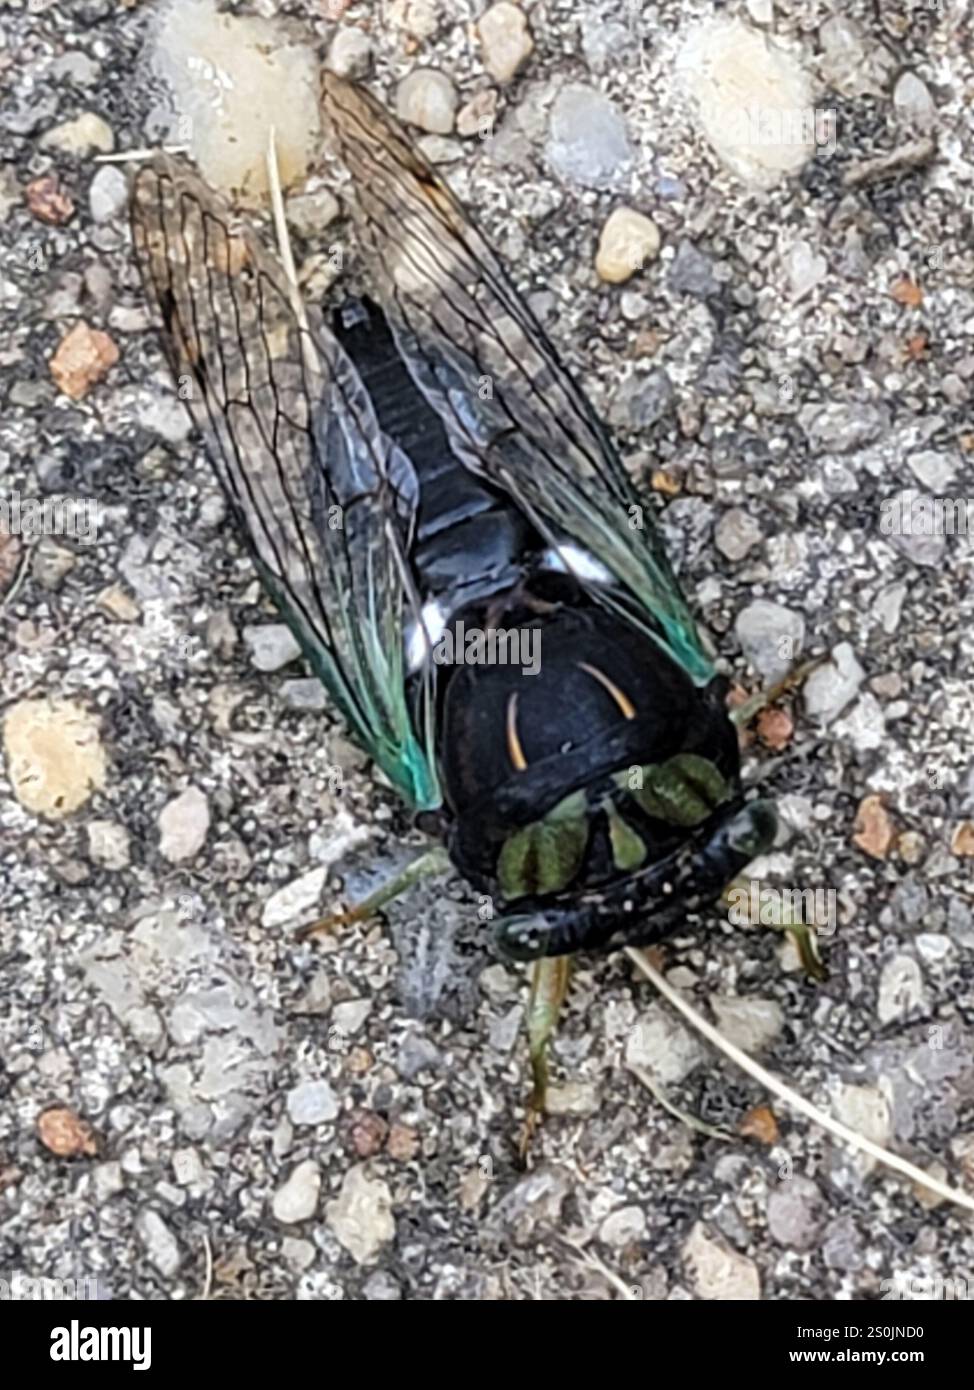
429	865
549	985
744	713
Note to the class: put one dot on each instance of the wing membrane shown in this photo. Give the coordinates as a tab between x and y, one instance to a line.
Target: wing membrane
325	500
512	411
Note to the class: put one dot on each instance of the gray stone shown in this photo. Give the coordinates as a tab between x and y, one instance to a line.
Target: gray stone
161	1245
588	143
771	637
831	686
297	1198
311	1103
272	646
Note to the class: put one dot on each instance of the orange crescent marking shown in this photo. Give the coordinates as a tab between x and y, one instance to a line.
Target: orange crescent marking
620	697
514	749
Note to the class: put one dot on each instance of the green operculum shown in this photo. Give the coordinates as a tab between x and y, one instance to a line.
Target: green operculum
684	790
545	856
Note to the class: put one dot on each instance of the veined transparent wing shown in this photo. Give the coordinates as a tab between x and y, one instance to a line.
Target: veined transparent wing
325	500
513	412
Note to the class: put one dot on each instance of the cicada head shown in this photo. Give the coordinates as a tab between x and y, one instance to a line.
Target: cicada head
599	799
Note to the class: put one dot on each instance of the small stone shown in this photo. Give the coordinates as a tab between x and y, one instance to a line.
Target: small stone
572	1098
759	1123
350	1016
187	1167
901	989
294	899
48	202
51	563
805	268
364	1132
161	1245
311	1103
85	134
838	427
271	646
108	1180
83	356
852	61
912	100
117	604
306	694
64	1133
588	142
934	470
771	637
752	98
842	1244
717	1272
962	840
628	241
505	40
427	99
297	1198
796	1213
183	826
750	1023
691	272
350	53
300	1254
639	402
623	1227
874	831
737	533
109	193
55	758
380	1287
403	1143
664	1047
361	1217
831	686
775	728
864	1109
309	213
108	844
478	115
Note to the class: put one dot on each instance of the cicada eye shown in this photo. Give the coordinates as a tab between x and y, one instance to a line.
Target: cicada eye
521	938
752	831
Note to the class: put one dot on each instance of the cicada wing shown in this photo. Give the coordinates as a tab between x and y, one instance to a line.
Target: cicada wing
324	499
512	410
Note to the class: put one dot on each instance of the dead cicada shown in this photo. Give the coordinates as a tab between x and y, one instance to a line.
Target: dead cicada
416	467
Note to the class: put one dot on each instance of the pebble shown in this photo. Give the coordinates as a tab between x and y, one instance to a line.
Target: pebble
572	1098
874	831
505	40
603	41
361	1217
311	1103
297	1198
664	1047
294	899
350	53
623	1227
108	1180
381	1287
108	195
771	637
55	758
901	989
272	645
640	401
108	844
736	534
864	1109
184	824
934	470
750	1023
851	60
912	100
351	1015
717	1272
86	133
804	267
307	694
309	213
83	356
51	563
733	74
692	272
161	1245
839	426
628	240
796	1212
588	143
831	686
427	99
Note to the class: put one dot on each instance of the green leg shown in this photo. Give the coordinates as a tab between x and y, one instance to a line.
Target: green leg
743	714
549	985
434	862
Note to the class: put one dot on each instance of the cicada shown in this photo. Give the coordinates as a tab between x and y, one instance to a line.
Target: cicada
416	465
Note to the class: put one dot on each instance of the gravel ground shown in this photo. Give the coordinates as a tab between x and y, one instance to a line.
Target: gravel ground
191	1103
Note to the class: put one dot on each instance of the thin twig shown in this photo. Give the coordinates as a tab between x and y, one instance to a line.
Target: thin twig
792	1098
